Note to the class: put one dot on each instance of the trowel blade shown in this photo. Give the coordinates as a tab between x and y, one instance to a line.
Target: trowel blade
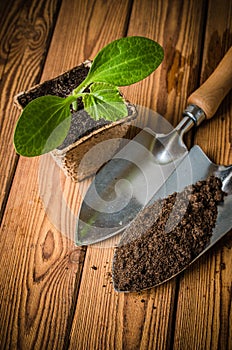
121	189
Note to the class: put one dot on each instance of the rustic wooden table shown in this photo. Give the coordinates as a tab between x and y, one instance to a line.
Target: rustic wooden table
50	296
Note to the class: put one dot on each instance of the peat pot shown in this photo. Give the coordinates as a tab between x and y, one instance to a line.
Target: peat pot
74	156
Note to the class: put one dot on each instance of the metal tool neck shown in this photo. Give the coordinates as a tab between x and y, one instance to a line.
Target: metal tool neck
192	115
184	125
195	113
225	174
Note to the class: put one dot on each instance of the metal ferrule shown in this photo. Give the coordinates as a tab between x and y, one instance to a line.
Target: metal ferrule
195	113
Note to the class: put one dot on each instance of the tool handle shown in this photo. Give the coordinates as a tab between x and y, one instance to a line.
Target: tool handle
211	93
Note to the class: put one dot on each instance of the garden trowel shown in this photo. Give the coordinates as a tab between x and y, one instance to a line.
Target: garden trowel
196	167
129	181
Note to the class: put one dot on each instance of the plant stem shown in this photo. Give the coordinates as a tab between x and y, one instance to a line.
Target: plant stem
76	95
79	89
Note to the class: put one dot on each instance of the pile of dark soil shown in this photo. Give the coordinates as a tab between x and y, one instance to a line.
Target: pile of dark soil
166	236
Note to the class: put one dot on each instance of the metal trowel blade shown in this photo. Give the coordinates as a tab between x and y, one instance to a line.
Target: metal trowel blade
195	166
121	188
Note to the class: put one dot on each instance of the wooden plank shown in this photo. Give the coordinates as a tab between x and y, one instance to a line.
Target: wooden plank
40	267
39	270
167	89
25	34
204	307
103	318
97	23
9	16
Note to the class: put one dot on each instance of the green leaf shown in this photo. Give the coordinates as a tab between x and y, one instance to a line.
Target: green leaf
104	101
43	125
126	61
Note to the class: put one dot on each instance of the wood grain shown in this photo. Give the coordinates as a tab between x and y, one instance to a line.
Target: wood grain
39	270
144	320
167	89
25	35
97	23
204	304
9	16
40	267
105	319
54	295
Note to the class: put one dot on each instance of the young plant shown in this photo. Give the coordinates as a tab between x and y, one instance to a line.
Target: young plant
45	121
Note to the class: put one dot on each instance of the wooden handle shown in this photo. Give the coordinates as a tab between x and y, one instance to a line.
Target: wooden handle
210	94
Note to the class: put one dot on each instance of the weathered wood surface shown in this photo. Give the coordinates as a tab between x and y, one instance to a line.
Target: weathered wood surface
51	297
26	30
41	268
205	291
146	320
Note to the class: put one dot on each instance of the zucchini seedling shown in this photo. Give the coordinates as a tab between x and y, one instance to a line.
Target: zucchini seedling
45	121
